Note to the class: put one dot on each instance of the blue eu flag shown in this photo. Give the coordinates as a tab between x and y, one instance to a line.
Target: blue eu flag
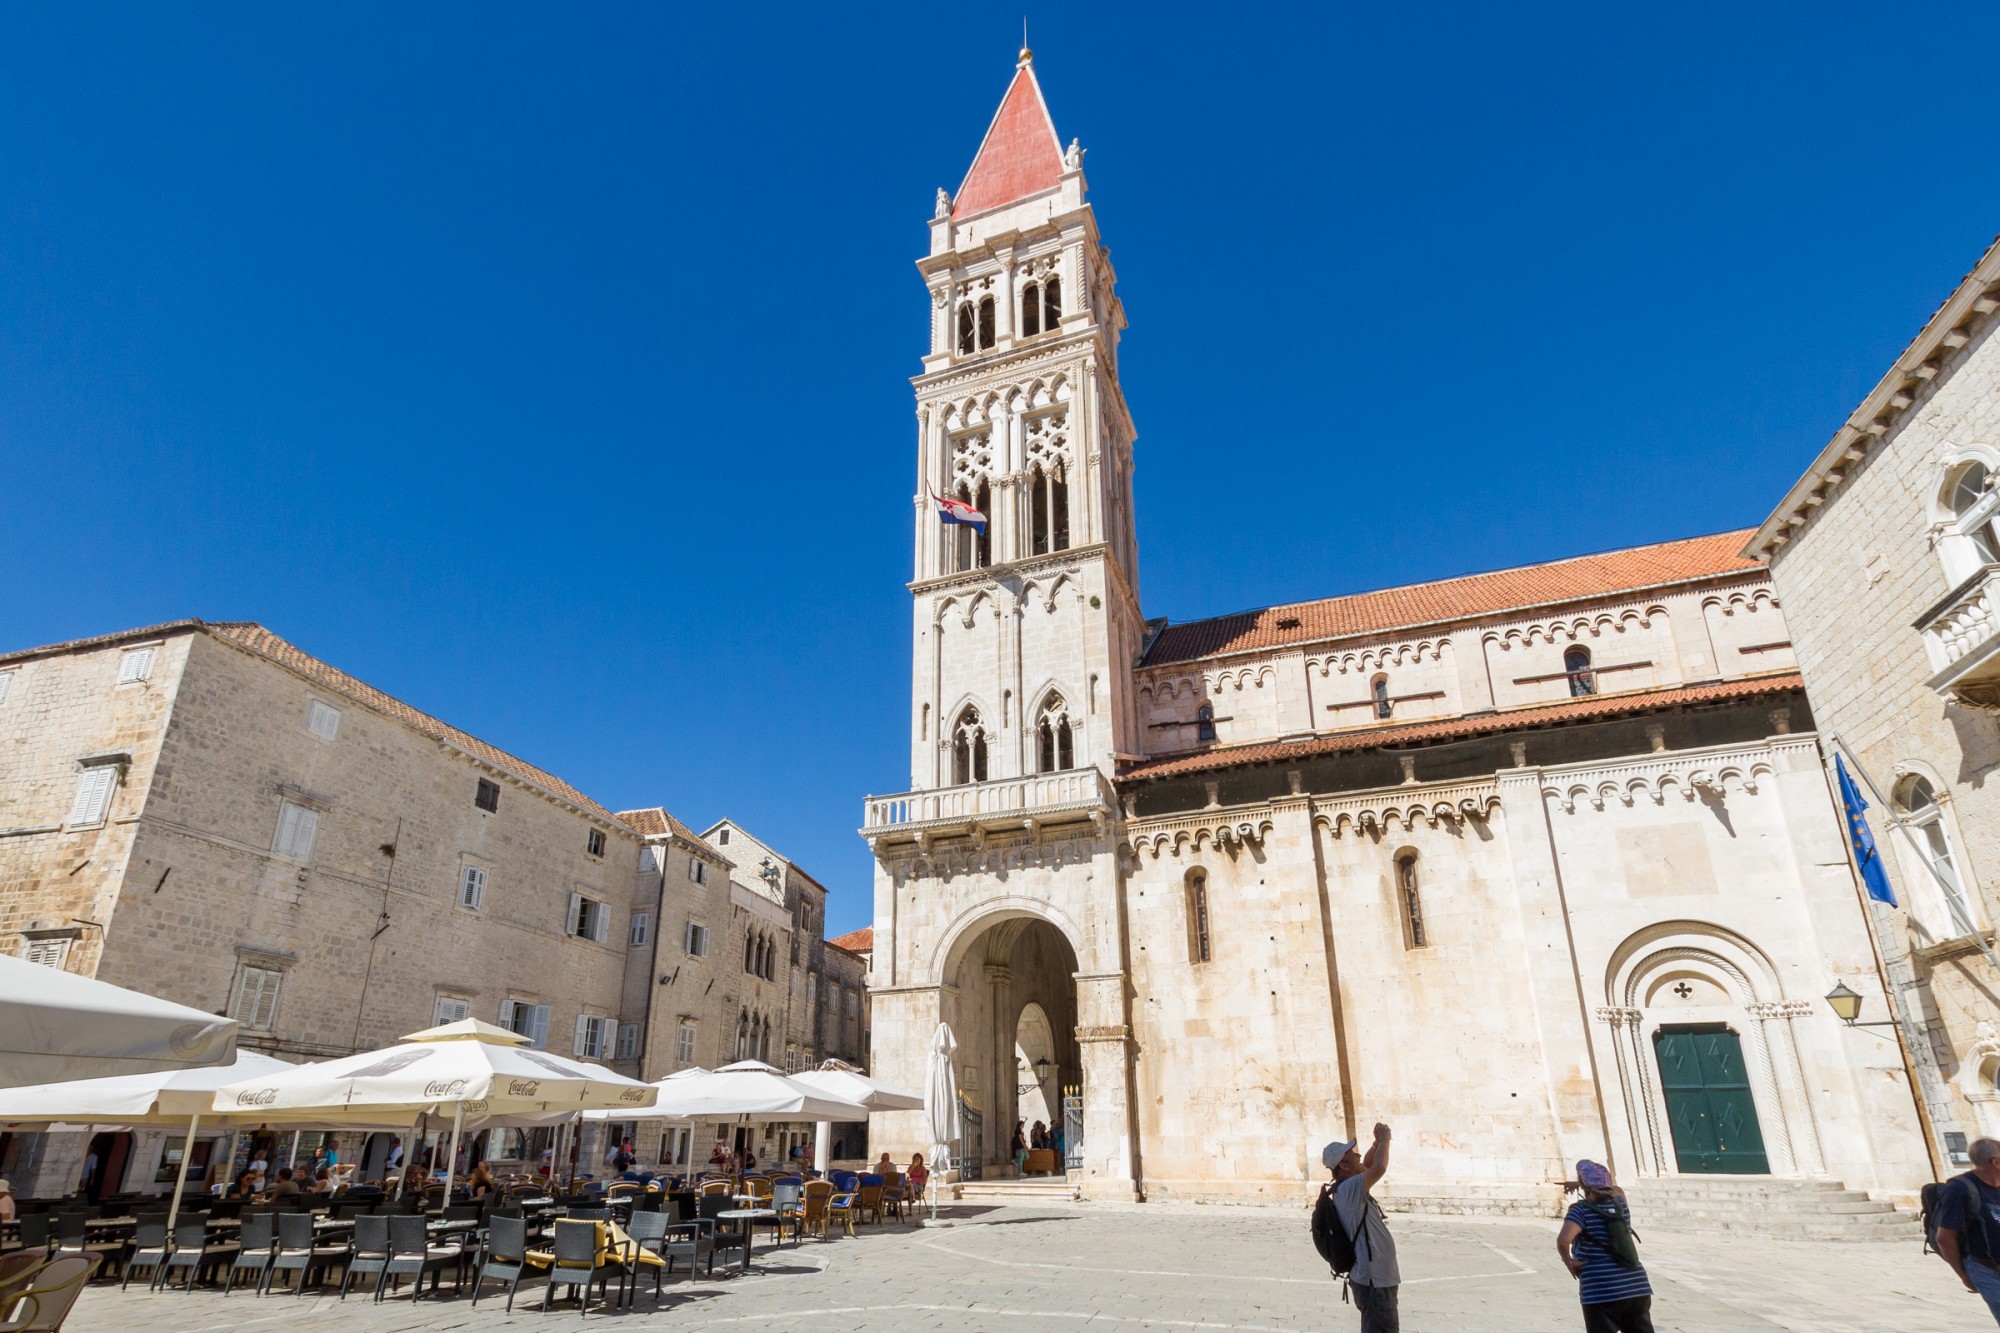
1865	855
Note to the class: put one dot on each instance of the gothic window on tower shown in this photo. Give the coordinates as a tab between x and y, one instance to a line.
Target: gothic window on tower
1048	509
1379	691
975	326
986	334
972	548
1409	902
968	749
1204	722
1055	745
1199	950
1041	306
1576	666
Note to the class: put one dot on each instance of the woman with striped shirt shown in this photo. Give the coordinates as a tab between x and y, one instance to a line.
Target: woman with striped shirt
1616	1296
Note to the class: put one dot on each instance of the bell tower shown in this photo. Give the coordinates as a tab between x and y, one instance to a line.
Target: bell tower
1025	631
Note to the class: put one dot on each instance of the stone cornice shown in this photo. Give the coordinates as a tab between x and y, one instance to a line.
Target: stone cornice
1426	805
1683	773
1226	829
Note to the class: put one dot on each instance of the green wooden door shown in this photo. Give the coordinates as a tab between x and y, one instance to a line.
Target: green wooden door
1709	1105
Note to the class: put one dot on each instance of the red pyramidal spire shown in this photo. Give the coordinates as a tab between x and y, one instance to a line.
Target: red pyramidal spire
1020	154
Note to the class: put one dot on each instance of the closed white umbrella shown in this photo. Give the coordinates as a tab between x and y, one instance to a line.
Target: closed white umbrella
843	1080
468	1067
61	1026
941	1104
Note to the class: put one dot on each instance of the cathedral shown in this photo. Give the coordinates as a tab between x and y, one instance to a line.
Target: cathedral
1535	865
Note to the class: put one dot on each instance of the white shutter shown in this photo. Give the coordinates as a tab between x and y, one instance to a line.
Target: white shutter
538	1026
452	1011
600	922
136	664
296	829
257	997
575	907
93	794
322	721
472	888
628	1041
507	1015
642	924
582	1036
6	683
48	953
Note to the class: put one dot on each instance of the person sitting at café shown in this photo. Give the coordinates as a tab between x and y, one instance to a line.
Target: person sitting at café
284	1187
718	1157
248	1185
481	1181
917	1175
887	1166
323	1181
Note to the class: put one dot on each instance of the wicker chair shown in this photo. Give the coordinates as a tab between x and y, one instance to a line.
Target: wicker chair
301	1253
194	1251
149	1249
648	1231
813	1217
842	1207
257	1245
692	1241
579	1262
370	1251
45	1302
411	1252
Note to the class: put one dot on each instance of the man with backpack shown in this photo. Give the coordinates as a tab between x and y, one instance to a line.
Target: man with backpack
1965	1217
1598	1248
1351	1234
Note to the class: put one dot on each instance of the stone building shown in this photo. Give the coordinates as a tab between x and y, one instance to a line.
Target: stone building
204	812
1887	554
1537	864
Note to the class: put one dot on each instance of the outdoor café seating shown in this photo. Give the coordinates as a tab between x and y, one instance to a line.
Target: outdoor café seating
258	1243
370	1252
503	1257
149	1249
692	1241
412	1253
194	1250
300	1253
583	1255
43	1301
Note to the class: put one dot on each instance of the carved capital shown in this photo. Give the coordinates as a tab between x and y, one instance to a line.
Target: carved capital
1780	1009
1618	1017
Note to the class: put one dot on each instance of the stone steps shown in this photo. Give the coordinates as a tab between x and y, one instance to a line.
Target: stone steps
1766	1206
1055	1190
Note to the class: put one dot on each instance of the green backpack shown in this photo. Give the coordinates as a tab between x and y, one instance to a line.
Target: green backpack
1619	1238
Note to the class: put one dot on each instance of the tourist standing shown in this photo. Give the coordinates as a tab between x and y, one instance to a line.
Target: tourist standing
1019	1147
1968	1224
1375	1279
1596	1246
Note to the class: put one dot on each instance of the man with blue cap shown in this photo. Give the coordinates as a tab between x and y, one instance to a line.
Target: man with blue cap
1375	1279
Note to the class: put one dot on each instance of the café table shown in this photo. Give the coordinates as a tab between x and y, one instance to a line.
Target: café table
749	1217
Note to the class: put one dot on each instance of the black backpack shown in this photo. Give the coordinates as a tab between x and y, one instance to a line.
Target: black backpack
1933	1196
1620	1241
1334	1242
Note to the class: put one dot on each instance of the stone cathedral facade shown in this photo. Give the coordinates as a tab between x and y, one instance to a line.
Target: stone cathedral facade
1536	865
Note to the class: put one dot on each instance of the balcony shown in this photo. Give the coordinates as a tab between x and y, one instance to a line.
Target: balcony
1006	803
1962	636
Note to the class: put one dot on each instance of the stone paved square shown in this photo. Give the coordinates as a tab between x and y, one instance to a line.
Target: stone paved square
1168	1267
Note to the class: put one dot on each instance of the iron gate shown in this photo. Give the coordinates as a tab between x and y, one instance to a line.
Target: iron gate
969	1153
1073	1127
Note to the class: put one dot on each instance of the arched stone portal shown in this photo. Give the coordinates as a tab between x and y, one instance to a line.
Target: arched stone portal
1001	973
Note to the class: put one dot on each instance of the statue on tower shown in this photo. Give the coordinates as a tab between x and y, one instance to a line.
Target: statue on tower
943	209
1073	159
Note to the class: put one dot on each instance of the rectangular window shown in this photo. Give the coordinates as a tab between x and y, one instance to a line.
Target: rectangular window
322	721
48	953
684	1045
696	942
472	888
642	926
93	795
6	683
589	919
594	1036
791	1059
530	1020
698	870
649	860
594	845
296	827
450	1010
256	1003
135	665
488	795
628	1041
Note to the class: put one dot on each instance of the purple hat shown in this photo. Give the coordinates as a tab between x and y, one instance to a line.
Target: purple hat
1592	1176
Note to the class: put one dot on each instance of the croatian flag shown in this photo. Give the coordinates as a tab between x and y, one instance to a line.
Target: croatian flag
958	511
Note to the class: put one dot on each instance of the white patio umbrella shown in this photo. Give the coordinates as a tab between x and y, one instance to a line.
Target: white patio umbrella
62	1026
941	1104
469	1067
749	1088
843	1080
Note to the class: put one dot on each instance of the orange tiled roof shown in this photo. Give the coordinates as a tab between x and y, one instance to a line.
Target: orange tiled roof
857	941
1456	599
1514	719
658	822
1020	154
255	638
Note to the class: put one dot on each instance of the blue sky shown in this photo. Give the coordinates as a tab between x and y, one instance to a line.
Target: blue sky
547	366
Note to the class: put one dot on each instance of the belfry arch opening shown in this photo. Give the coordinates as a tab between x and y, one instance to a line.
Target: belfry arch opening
1016	1027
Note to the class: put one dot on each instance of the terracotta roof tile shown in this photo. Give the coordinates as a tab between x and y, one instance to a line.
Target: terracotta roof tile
658	822
101	640
1513	719
1020	154
256	639
1455	599
857	941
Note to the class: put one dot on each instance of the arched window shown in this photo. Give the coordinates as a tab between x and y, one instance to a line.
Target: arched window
985	323
1055	746
1051	303
742	1034
1048	509
1199	944
1409	902
1031	310
972	548
1379	691
1204	722
968	749
764	1042
1970	496
966	330
750	952
1576	665
1925	819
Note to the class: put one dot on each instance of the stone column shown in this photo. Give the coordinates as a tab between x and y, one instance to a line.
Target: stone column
904	1020
1104	1047
1000	1089
1617	1019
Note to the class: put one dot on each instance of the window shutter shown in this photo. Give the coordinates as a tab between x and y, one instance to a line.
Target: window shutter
93	794
472	888
628	1040
322	721
507	1015
641	926
538	1026
135	665
296	827
582	1046
452	1011
575	907
600	922
48	953
6	683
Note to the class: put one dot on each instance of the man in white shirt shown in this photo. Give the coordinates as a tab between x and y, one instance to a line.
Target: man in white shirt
1376	1278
